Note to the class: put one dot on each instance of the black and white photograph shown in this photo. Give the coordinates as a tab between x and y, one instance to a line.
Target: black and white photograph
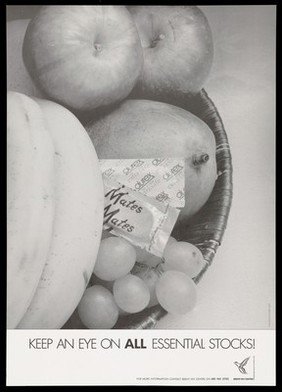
141	194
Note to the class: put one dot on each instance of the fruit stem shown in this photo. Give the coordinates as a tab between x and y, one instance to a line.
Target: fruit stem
200	159
98	47
156	40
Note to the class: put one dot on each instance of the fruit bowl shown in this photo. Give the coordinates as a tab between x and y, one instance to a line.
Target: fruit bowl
206	228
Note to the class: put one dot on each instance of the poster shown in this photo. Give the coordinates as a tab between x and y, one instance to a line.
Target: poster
229	336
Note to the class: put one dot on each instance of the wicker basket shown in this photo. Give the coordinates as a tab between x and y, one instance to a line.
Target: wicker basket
206	229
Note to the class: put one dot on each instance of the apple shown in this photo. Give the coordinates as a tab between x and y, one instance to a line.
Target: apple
83	57
18	78
150	129
178	49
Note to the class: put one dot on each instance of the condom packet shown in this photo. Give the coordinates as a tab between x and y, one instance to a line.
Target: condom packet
160	178
140	219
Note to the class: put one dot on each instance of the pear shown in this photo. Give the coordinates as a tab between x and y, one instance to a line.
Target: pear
150	129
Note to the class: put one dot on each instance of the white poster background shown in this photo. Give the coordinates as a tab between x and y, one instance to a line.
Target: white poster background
237	294
39	357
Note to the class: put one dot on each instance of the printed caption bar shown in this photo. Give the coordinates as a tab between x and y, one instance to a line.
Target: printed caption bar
134	357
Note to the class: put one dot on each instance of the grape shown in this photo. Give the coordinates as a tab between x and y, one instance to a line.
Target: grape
97	308
131	293
115	258
183	256
176	292
150	276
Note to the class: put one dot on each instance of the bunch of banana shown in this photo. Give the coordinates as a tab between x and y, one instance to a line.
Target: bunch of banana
55	212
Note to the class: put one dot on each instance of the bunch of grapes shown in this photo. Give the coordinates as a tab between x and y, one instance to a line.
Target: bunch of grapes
127	279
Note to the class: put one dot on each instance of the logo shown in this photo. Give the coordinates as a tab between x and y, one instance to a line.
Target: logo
241	365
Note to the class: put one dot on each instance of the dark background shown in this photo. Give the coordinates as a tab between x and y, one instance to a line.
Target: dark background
21	11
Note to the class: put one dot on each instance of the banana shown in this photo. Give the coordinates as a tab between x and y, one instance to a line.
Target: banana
30	207
77	225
